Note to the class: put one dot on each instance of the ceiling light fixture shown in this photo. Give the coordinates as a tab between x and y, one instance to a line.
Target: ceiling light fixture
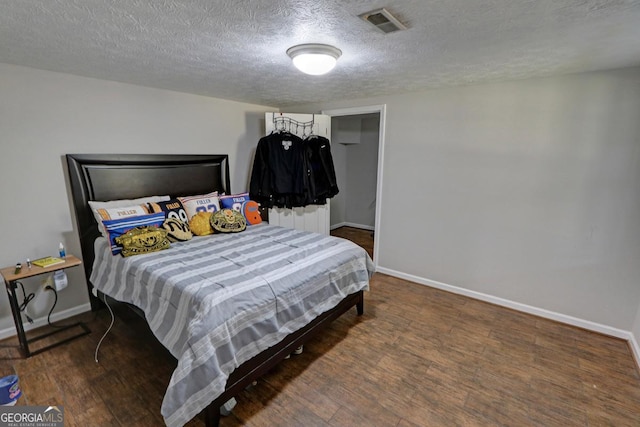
314	59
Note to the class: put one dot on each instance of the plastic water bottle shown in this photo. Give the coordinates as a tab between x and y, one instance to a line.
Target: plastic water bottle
62	251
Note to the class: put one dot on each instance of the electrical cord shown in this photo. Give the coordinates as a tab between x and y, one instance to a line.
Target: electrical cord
28	298
104	298
55	301
25	300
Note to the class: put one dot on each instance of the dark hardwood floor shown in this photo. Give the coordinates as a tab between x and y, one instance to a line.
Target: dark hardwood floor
417	357
359	236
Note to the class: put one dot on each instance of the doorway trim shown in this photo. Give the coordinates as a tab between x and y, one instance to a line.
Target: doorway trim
382	110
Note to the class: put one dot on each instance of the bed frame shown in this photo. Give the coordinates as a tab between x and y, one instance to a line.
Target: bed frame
105	177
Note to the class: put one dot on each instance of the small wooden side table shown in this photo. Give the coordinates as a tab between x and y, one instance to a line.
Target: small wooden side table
11	279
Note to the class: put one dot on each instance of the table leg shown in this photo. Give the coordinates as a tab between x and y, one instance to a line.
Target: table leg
15	310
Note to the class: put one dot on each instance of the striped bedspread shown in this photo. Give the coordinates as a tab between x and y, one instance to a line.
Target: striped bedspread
216	301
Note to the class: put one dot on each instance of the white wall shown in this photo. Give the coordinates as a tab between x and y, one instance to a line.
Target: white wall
527	191
45	115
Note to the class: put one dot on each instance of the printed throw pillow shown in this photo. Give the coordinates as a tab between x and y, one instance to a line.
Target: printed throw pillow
95	206
118	227
228	221
172	209
123	212
249	209
105	214
142	240
177	231
201	203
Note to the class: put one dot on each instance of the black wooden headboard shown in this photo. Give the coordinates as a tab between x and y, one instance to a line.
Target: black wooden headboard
105	177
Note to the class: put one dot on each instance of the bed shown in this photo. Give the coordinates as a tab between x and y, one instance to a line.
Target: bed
293	283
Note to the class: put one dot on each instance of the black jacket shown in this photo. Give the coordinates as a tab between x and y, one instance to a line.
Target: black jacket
321	173
289	172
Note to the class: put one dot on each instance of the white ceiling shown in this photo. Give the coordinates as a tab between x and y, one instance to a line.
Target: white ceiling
235	49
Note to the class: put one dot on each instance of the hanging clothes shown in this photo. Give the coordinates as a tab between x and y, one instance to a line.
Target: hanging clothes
278	175
290	172
321	174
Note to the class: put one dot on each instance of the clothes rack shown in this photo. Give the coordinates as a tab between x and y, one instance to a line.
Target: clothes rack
287	124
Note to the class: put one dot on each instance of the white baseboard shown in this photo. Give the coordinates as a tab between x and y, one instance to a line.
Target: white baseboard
635	349
41	321
541	312
354	225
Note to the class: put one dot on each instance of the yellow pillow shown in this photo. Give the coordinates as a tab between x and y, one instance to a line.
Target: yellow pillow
200	224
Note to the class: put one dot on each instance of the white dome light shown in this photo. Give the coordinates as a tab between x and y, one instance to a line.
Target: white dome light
314	59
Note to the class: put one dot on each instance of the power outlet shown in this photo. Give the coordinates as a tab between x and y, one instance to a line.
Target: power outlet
42	301
47	281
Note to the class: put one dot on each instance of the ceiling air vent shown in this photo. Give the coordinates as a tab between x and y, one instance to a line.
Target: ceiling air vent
383	20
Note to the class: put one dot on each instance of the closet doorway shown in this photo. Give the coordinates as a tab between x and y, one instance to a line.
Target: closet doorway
357	139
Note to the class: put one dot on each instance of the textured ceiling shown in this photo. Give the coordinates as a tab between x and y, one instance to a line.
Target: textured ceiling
235	49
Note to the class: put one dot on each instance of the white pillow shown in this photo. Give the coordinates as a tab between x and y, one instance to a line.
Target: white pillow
200	203
131	204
